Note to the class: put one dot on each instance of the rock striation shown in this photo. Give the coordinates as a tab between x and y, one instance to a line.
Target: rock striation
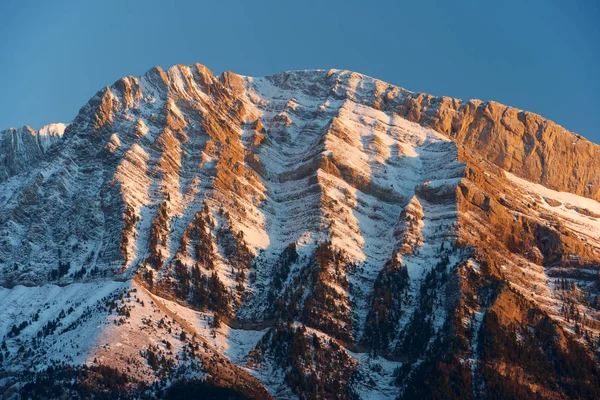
311	234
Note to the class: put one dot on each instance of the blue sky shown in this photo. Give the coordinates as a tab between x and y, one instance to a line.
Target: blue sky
541	56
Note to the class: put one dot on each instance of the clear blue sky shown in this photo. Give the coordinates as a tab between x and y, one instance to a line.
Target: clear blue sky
542	56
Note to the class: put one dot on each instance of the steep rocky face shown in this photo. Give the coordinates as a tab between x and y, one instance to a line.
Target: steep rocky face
310	234
22	149
519	142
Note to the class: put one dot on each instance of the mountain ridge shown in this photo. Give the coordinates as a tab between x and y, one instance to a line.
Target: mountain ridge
380	239
433	110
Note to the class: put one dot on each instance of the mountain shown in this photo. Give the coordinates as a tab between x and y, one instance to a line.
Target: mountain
21	149
311	234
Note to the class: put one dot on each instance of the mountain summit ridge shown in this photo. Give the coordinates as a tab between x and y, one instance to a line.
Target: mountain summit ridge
318	234
435	111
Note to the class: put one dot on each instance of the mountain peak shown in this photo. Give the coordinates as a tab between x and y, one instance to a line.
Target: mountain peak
309	234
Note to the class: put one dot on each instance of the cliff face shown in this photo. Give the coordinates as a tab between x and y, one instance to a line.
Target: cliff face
22	149
312	234
517	141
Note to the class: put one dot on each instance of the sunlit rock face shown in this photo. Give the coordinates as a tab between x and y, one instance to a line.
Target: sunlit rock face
312	234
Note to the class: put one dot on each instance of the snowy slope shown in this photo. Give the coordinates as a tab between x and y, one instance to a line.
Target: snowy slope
314	213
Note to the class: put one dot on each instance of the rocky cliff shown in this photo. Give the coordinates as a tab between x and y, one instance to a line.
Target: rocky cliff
22	149
312	234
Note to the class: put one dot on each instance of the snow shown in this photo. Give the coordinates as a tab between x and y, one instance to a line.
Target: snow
46	135
377	378
48	301
388	167
587	226
233	343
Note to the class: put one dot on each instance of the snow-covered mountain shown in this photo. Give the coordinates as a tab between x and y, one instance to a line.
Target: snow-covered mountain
22	149
312	234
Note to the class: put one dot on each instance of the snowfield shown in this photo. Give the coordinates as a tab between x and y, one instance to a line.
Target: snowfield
307	230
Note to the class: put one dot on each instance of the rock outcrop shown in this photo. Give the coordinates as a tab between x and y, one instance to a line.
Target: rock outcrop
312	234
23	149
517	141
